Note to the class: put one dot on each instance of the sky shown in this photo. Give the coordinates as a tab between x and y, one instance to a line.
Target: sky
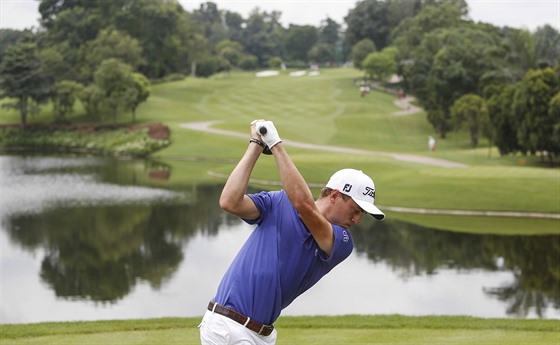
526	14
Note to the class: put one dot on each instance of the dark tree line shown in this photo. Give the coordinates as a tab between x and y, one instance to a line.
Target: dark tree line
499	83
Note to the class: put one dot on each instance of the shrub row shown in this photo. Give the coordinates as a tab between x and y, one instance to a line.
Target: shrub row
117	142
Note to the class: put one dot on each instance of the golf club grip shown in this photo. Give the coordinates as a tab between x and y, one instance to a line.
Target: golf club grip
262	130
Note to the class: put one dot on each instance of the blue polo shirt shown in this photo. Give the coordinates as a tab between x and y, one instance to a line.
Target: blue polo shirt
279	261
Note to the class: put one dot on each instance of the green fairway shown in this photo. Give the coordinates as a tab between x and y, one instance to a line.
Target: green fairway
390	329
327	110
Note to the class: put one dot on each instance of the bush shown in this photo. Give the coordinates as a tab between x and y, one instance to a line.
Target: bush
297	64
116	142
207	67
248	63
275	62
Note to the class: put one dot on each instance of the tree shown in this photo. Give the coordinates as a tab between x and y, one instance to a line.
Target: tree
163	30
143	91
65	95
470	112
234	24
554	114
109	43
75	26
114	79
51	10
368	20
262	36
397	11
521	52
91	97
248	62
275	62
328	49
53	65
547	45
532	109
450	63
9	37
299	40
329	32
361	50
22	79
381	65
197	47
230	51
377	19
411	31
211	65
499	100
322	53
209	22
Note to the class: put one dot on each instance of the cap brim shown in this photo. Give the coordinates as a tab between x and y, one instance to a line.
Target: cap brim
370	208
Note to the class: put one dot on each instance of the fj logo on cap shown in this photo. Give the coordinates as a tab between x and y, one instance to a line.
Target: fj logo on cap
347	188
370	192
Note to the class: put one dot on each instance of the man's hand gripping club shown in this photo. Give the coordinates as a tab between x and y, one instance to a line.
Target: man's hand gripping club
267	132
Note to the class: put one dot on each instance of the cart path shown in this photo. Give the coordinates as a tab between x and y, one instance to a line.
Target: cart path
205	126
406	106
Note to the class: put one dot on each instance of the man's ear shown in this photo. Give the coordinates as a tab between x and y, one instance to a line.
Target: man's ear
335	194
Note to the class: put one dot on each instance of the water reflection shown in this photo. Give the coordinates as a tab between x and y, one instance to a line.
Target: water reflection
414	250
98	252
100	234
33	185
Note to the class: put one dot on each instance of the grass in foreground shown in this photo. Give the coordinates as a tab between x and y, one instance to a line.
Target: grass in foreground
350	329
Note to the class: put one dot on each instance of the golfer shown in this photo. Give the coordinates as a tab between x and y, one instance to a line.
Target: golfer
296	242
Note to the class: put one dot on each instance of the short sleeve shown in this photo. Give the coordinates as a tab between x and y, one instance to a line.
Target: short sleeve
263	201
343	245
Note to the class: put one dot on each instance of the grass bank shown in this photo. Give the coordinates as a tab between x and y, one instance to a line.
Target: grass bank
350	329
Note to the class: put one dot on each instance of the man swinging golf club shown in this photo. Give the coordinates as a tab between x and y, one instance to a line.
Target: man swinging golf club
296	242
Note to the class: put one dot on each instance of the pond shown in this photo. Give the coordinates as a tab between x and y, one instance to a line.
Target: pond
94	239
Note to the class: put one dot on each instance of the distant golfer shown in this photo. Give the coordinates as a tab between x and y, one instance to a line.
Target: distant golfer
296	242
431	143
364	90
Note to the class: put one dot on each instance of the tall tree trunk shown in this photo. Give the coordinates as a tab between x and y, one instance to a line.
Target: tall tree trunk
474	137
23	112
193	69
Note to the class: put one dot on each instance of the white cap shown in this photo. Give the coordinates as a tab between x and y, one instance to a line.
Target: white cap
359	187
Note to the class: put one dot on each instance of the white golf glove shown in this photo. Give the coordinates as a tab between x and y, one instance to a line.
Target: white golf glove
270	136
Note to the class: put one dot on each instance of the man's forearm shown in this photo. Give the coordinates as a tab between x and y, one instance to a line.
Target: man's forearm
302	199
238	181
292	181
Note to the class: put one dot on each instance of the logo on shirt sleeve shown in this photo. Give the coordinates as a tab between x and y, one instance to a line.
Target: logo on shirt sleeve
345	236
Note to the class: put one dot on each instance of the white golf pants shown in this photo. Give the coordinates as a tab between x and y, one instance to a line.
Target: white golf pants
216	329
